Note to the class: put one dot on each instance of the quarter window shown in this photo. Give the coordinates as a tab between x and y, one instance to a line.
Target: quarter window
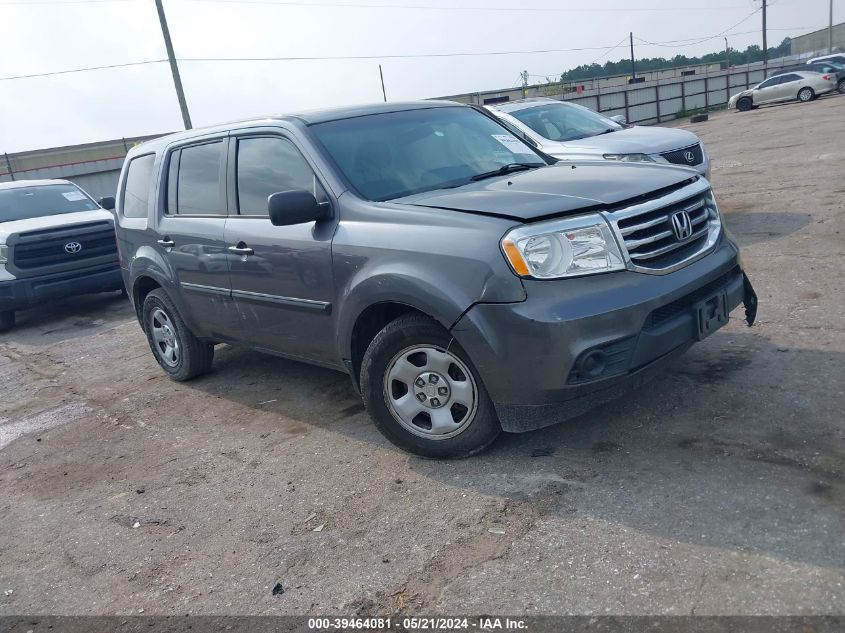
269	165
194	180
136	191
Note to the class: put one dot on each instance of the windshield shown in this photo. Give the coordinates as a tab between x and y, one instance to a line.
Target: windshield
564	122
21	203
386	156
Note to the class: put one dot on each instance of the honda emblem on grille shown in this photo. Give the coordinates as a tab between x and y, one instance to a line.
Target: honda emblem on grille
681	225
73	247
689	157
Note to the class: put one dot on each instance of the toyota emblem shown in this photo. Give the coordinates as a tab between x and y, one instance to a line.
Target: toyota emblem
73	247
689	156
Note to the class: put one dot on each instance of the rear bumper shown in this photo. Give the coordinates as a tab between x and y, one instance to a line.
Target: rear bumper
17	294
577	343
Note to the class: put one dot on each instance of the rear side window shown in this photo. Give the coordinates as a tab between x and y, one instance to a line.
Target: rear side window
136	192
194	186
790	77
268	165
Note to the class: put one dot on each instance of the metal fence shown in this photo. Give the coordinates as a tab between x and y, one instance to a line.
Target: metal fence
662	100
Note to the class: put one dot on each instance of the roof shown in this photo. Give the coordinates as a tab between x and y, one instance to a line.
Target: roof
310	117
18	184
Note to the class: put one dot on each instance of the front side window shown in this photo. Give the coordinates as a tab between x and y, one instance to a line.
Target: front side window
268	165
196	171
396	154
136	191
564	122
22	203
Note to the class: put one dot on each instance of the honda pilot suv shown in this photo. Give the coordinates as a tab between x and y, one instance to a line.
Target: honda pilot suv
55	242
466	282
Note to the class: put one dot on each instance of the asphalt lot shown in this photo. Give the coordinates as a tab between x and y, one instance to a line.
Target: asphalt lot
719	490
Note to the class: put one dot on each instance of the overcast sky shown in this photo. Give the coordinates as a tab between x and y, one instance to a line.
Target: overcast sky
52	35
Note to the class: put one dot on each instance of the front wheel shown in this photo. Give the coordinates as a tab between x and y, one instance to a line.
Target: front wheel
806	94
423	392
744	104
179	353
7	320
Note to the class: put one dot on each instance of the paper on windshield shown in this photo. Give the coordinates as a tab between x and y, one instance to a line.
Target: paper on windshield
73	196
513	144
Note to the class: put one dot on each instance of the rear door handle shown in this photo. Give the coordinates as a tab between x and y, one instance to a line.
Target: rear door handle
241	249
166	243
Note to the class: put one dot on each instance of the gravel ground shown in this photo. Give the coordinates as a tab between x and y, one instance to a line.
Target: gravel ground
719	490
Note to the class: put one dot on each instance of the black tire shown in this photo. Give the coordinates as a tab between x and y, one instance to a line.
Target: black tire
806	94
193	357
840	87
744	104
7	320
481	427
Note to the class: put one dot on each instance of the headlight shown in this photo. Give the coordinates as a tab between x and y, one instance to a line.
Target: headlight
630	158
563	248
4	253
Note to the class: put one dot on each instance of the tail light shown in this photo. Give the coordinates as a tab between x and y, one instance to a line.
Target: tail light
827	77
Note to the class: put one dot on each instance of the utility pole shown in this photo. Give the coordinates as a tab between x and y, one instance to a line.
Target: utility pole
765	45
381	76
174	69
633	65
830	31
524	76
727	55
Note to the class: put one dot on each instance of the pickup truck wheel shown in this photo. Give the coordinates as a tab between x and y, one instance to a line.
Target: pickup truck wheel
7	320
840	87
744	104
423	392
181	354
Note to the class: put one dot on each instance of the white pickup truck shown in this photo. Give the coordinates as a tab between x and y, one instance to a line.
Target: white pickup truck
55	242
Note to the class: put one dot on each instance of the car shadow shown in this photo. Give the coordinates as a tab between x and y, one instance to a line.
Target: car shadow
65	319
731	447
763	226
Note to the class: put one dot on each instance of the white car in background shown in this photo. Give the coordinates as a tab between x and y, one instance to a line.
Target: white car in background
572	132
804	86
836	58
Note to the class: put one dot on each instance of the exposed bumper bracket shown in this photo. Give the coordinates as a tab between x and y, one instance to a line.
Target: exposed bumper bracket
750	300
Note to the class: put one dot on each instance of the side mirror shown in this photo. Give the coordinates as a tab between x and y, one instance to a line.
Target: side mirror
107	203
295	207
618	118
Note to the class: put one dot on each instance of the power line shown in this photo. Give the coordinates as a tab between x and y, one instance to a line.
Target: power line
706	39
80	70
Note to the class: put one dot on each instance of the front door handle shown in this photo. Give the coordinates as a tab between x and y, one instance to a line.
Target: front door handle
241	249
166	243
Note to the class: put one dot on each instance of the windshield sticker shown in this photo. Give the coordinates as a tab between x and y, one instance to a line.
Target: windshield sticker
74	196
513	144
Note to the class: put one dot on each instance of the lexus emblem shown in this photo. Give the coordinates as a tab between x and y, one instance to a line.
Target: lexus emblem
681	225
689	157
73	247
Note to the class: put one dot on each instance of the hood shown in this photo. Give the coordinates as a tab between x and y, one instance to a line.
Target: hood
740	94
633	140
554	190
61	220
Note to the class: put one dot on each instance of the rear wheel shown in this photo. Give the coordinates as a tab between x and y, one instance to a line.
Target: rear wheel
179	353
744	104
423	392
806	94
841	86
7	320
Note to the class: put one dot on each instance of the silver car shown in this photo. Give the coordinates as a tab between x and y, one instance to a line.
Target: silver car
804	86
572	132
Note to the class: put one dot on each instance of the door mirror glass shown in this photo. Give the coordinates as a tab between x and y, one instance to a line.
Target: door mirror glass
107	202
295	207
618	118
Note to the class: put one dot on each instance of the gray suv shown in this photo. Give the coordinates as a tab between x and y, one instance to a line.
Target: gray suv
466	282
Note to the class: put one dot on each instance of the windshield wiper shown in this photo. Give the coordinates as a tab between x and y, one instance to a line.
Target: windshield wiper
505	169
608	131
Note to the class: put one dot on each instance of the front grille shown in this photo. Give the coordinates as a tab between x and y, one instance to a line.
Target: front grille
651	240
671	310
688	156
39	249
